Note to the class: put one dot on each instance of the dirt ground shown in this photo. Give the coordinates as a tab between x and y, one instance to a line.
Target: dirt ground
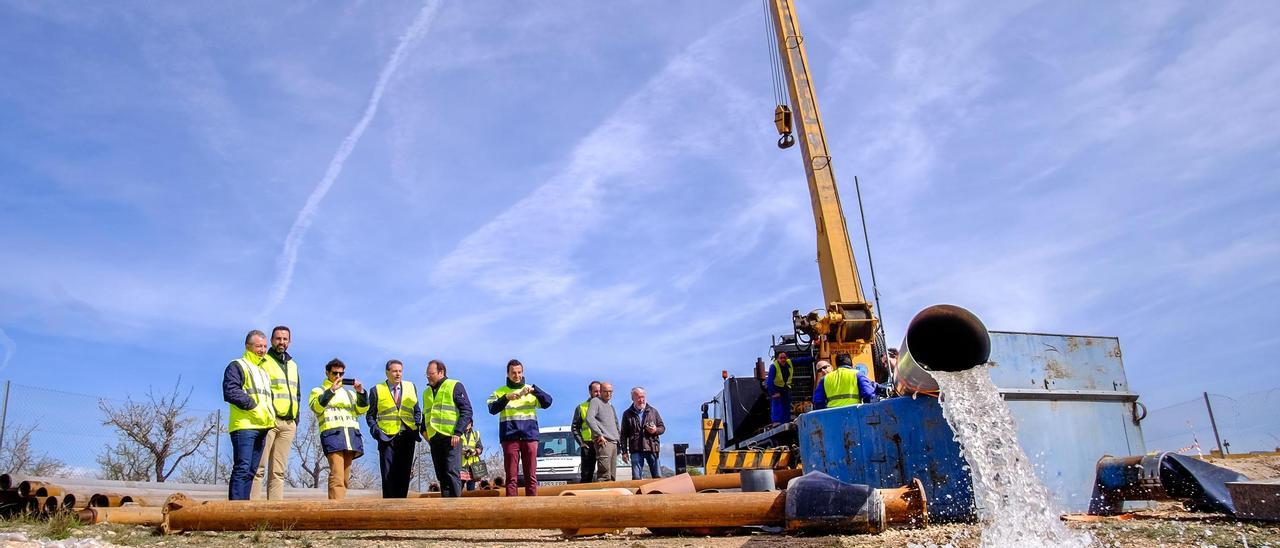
1169	530
1257	468
1165	525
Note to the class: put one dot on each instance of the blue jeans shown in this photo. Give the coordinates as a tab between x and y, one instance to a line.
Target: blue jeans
246	452
638	458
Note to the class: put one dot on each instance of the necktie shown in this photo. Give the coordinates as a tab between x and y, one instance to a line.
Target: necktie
397	395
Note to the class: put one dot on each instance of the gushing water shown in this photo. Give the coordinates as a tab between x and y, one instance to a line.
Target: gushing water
1013	501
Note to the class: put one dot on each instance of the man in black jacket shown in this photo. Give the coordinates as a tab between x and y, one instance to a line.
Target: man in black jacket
641	426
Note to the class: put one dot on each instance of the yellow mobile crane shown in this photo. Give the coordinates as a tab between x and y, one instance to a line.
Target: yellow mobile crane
846	324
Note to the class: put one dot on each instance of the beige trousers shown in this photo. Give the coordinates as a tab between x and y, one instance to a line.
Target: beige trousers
275	452
607	461
339	473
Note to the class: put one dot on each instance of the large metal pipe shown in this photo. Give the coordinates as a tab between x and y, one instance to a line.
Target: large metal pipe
128	515
700	483
942	337
154	492
689	510
813	502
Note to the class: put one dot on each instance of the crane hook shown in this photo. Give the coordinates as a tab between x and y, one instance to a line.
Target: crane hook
782	119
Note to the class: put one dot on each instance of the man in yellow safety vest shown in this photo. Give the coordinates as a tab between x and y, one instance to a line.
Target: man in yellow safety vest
246	386
446	415
393	418
516	404
778	385
844	386
286	401
336	408
582	433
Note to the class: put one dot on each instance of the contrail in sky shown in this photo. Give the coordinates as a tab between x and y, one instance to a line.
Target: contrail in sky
284	278
10	348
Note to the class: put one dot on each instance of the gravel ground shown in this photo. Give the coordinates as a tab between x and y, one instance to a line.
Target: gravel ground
1168	529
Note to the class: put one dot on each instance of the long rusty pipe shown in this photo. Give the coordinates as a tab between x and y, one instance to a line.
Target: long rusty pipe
700	483
942	337
129	515
690	510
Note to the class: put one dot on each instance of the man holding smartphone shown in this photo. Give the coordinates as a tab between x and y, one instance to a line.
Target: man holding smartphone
337	408
516	405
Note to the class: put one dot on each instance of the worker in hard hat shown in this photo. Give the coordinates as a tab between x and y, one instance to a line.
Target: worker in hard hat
393	418
778	384
844	386
447	411
336	408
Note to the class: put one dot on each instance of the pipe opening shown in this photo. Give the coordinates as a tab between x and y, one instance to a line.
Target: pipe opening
947	338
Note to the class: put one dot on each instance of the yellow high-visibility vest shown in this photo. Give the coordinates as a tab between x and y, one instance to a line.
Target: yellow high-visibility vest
284	387
392	417
438	408
841	387
257	383
582	413
782	376
469	441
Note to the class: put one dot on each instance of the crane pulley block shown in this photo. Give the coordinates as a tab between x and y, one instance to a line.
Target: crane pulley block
782	119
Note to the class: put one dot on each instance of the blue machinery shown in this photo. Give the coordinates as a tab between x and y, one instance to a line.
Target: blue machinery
1068	395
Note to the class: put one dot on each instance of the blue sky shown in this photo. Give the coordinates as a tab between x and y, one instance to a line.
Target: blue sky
594	189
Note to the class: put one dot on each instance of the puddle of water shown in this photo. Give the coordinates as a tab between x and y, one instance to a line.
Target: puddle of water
1011	499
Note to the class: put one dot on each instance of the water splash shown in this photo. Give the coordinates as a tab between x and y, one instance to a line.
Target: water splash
1010	497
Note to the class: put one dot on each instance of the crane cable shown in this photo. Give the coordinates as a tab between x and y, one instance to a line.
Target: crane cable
782	117
875	289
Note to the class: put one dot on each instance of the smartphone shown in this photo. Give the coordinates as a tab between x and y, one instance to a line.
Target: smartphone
349	382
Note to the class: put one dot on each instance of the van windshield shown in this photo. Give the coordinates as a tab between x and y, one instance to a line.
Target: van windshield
557	444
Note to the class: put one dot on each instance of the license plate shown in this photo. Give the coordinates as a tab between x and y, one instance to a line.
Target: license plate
553	482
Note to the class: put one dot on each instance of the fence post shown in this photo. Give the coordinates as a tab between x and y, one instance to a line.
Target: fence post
4	414
217	444
1214	424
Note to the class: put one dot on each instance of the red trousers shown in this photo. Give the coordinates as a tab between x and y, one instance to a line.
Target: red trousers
514	453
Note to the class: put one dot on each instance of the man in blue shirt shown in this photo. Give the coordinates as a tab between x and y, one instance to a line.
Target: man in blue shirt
866	388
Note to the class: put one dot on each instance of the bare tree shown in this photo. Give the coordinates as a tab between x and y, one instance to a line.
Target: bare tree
365	475
17	456
422	474
160	428
201	468
126	461
310	464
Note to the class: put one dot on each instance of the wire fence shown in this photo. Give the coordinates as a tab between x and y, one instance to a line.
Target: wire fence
59	433
1244	423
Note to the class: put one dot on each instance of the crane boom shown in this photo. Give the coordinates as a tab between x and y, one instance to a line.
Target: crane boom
848	327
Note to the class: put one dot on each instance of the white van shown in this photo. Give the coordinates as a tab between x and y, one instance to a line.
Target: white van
559	461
